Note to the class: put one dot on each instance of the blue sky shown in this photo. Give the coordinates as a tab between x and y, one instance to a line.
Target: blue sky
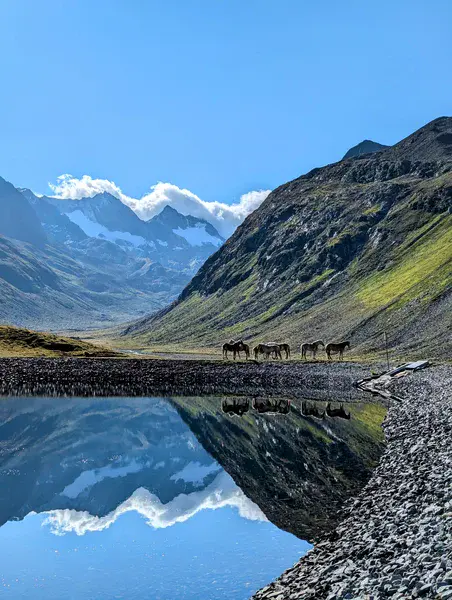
131	560
220	97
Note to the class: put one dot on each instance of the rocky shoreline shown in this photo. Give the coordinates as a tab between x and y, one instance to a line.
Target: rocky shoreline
395	538
153	377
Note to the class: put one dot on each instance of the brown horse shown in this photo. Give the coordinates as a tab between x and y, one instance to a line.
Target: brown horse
270	349
337	412
339	347
236	346
242	347
276	349
311	347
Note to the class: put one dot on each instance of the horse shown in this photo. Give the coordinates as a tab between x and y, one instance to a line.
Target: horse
337	412
241	346
235	346
311	347
285	348
339	347
276	349
267	350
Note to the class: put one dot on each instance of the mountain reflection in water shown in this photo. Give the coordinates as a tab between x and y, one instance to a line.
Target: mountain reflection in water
117	498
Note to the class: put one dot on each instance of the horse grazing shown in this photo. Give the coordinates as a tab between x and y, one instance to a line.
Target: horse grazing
270	349
285	348
311	347
236	346
242	347
337	412
339	347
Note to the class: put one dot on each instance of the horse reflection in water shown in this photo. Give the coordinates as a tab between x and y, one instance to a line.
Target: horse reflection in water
337	412
312	410
235	407
281	406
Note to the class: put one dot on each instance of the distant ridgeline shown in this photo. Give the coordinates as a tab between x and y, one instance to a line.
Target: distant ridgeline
92	262
346	251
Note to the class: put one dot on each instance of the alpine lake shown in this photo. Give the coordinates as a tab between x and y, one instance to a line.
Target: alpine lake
171	498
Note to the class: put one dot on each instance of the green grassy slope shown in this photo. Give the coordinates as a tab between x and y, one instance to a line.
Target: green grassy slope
15	341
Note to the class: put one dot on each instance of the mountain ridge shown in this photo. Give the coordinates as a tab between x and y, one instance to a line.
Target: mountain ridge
364	147
17	219
350	249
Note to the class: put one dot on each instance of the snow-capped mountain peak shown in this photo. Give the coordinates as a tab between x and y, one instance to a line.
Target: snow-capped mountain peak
193	230
176	241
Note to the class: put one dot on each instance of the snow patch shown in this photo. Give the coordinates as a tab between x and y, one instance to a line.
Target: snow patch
93	229
89	478
195	472
197	236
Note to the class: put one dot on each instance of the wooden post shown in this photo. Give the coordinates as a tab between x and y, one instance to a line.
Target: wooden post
386	348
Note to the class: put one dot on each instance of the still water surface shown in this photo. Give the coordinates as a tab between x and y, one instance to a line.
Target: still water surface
116	498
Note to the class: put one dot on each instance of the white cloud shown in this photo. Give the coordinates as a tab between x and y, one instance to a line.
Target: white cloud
225	217
220	493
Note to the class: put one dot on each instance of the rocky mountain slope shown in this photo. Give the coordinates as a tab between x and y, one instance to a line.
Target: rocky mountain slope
349	250
299	470
17	219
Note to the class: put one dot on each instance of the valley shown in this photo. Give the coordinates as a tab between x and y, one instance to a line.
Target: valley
92	263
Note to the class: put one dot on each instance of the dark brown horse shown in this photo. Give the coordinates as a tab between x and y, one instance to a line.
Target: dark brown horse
311	347
332	348
337	412
236	346
285	348
267	350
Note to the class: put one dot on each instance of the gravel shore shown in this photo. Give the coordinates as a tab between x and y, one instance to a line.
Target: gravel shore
153	377
395	538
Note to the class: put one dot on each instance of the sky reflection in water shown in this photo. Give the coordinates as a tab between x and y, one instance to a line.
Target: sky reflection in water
207	542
